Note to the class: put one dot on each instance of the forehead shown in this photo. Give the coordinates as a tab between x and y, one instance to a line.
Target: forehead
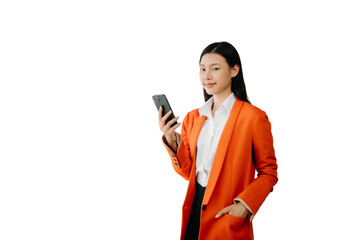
212	58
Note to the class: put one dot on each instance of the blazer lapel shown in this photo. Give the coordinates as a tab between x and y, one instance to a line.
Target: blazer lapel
221	149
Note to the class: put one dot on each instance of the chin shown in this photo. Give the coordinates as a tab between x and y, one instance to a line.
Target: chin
209	92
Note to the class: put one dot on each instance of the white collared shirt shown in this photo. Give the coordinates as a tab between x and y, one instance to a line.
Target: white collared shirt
209	136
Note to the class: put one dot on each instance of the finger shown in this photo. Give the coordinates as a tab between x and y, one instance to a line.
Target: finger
167	114
163	119
172	129
222	212
176	126
160	113
173	120
168	125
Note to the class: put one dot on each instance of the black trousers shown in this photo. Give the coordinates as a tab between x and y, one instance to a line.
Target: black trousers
192	232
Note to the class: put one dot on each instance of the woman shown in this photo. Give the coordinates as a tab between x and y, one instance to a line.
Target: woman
221	145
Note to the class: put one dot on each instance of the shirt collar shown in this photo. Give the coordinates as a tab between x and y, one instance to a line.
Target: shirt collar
228	103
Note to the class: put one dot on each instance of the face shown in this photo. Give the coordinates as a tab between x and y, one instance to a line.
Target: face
216	74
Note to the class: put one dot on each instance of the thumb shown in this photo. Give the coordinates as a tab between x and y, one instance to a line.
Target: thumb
178	138
221	212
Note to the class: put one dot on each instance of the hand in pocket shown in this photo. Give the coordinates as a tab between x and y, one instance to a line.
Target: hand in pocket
236	210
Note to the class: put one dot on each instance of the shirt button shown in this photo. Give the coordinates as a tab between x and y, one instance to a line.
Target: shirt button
203	207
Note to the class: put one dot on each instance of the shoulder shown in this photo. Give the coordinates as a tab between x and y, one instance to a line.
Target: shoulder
192	116
252	111
255	117
189	121
194	113
252	116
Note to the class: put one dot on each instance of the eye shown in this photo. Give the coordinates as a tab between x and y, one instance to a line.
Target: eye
215	68
202	69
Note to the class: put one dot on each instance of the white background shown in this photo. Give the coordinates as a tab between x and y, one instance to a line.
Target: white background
81	155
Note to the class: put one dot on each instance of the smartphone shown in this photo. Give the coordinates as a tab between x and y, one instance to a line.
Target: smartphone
161	100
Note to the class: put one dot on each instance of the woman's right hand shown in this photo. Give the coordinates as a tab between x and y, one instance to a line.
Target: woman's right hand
168	131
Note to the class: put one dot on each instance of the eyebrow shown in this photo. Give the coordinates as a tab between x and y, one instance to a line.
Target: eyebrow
211	64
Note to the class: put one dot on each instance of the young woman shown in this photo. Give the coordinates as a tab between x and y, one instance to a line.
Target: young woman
221	145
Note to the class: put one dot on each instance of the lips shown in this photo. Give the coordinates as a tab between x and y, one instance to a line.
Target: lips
210	85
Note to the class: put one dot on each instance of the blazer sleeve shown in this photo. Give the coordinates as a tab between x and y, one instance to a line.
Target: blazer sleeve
181	161
256	192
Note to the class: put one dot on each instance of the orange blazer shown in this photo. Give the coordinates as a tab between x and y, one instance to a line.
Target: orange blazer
246	145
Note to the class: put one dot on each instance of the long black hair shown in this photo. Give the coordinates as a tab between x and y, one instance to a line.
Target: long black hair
232	57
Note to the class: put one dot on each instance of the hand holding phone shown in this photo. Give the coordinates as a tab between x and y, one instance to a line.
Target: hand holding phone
161	101
168	122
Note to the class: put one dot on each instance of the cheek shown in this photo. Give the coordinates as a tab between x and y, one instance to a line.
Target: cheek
226	78
201	78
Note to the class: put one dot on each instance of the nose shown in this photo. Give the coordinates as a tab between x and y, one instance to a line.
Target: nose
207	75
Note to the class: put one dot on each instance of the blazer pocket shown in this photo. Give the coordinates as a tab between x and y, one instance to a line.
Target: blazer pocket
235	223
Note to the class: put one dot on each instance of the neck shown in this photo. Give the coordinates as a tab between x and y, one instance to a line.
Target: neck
218	99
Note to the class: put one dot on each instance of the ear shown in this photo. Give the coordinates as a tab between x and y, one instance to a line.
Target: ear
235	70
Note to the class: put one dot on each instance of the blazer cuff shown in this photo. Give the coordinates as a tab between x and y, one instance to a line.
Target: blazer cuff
181	160
245	204
173	155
